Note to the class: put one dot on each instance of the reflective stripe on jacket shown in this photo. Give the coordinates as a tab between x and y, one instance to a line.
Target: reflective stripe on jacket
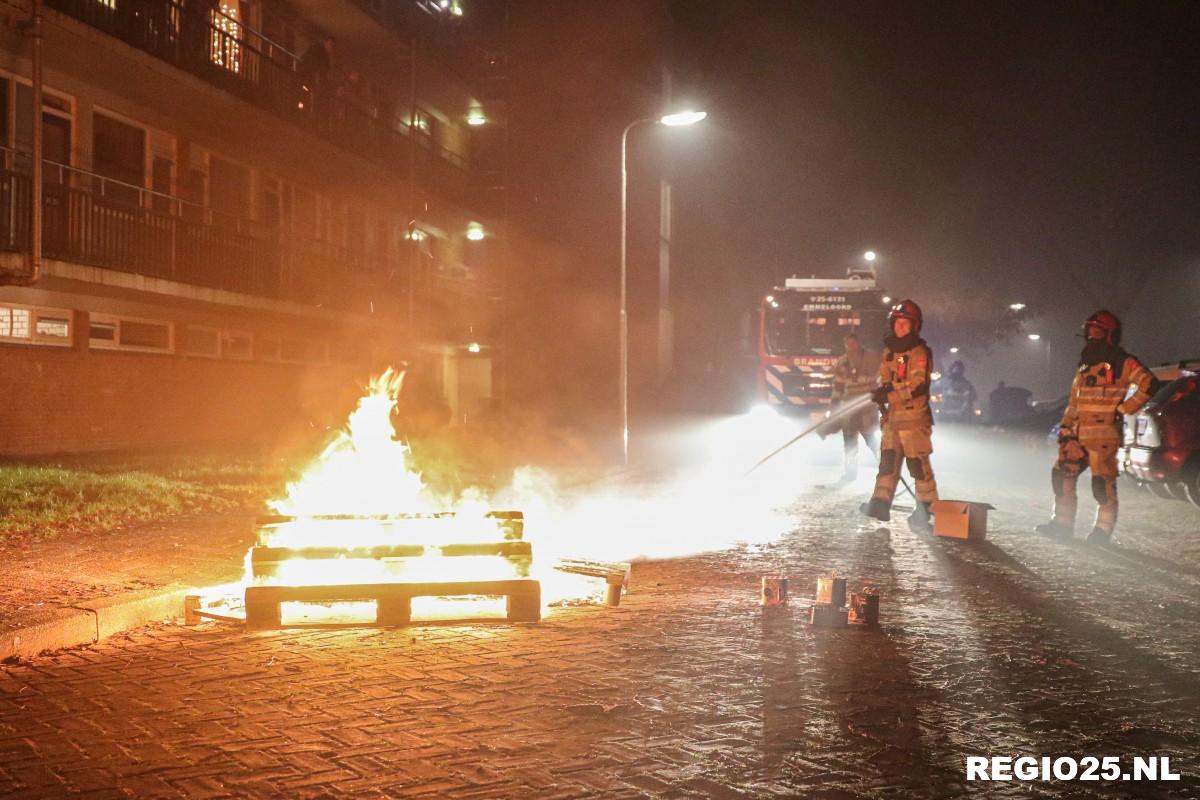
1098	399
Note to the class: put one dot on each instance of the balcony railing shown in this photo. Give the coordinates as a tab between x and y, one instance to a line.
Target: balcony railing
94	220
225	53
91	219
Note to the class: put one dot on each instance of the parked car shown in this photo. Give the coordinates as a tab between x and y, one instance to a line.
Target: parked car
1162	441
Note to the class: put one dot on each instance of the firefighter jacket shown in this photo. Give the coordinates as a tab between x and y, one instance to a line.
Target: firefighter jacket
907	372
1097	403
854	376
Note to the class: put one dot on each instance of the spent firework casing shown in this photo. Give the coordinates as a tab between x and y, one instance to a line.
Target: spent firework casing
774	590
831	590
864	609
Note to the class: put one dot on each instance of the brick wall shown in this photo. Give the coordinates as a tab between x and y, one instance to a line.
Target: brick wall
67	400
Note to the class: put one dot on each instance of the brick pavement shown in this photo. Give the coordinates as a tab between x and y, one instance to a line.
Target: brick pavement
1021	645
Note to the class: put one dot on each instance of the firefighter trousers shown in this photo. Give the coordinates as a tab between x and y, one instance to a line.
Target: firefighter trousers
913	446
1064	477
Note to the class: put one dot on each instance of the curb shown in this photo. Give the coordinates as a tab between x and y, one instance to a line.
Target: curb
90	621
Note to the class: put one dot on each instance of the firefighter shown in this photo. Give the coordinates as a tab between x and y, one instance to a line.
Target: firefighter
1092	426
854	375
958	395
903	397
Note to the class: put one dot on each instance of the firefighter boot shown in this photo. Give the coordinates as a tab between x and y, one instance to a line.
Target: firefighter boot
877	508
921	519
1054	528
1099	537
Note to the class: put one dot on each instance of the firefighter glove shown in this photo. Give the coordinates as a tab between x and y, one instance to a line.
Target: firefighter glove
879	395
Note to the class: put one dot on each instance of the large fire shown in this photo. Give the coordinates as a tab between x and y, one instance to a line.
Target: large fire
363	492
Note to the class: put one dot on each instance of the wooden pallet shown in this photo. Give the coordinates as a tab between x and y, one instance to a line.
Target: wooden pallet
394	600
512	523
265	561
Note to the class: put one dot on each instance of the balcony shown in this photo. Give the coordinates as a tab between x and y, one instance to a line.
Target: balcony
89	219
229	55
97	221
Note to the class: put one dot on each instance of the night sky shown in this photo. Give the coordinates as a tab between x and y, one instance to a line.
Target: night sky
990	152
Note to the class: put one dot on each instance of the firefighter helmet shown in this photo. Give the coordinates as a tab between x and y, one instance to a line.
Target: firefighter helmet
906	309
1107	322
957	369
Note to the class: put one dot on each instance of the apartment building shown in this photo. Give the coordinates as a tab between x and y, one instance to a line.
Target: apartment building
247	208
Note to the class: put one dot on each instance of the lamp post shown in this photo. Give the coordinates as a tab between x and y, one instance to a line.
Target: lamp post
670	120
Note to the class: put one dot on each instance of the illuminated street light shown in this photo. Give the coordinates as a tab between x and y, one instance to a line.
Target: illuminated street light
474	347
869	255
475	232
887	300
681	118
476	118
1017	306
953	349
1033	337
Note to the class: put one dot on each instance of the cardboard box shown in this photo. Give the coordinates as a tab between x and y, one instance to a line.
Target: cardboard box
823	615
960	519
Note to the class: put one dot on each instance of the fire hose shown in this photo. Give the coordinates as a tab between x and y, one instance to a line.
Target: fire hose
852	407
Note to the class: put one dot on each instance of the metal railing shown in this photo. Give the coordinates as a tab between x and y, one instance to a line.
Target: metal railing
224	52
91	219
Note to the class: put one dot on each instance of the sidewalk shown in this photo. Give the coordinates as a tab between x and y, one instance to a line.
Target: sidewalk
77	589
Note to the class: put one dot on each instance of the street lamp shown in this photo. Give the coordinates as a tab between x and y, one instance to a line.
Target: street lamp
1017	306
676	120
869	256
953	349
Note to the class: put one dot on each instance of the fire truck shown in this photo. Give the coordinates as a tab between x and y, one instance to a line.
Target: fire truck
800	332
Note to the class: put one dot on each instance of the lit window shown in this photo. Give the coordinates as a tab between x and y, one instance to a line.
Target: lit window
54	327
33	325
226	49
14	323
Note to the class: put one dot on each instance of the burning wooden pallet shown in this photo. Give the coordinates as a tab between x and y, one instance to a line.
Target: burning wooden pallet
393	600
399	568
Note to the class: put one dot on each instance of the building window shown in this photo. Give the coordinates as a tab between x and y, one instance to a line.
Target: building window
236	345
108	332
267	348
226	47
33	325
119	153
228	188
57	118
102	333
36	325
302	351
53	328
198	341
14	323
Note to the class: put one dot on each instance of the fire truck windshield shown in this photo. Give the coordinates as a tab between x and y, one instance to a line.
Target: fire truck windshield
798	324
